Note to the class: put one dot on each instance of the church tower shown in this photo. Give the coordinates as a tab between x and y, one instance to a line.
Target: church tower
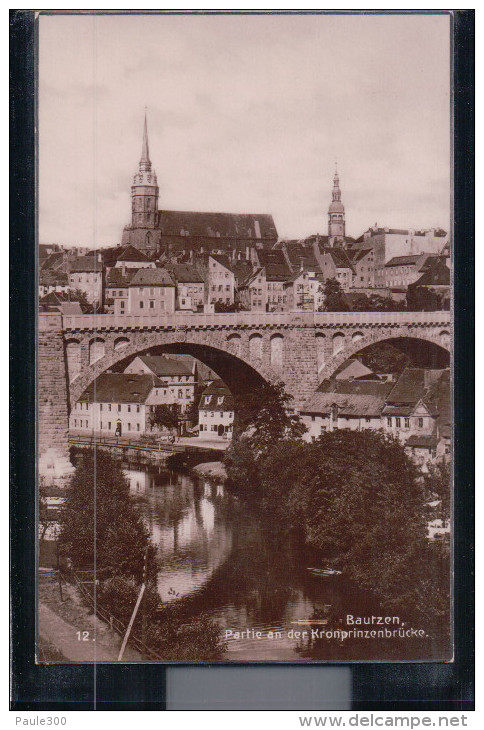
336	216
144	191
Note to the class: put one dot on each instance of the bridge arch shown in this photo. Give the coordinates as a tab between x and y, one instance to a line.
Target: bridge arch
232	362
352	346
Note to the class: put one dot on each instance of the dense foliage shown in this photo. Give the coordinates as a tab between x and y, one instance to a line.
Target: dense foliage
165	416
103	528
382	357
376	303
262	421
355	497
100	523
162	627
334	298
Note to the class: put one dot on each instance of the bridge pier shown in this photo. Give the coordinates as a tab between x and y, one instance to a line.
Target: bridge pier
52	402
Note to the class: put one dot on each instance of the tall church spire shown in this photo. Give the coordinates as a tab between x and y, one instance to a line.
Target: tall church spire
144	197
145	162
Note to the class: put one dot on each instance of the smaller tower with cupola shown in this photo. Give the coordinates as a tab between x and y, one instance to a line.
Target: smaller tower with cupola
336	216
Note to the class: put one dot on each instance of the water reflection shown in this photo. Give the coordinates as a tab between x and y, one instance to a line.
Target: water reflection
219	557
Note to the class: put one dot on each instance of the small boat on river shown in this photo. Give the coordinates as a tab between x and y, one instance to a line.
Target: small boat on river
324	572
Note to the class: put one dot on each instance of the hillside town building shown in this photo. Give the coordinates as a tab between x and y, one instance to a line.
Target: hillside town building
116	404
216	412
179	381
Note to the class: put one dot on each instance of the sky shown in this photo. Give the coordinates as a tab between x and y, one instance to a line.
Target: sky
245	114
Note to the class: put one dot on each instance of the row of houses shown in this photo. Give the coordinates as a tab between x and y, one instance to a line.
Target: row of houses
414	409
288	277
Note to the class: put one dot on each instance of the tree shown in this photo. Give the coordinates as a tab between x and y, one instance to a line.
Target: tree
264	417
334	298
421	298
78	295
165	416
100	523
385	358
262	421
227	308
358	499
438	483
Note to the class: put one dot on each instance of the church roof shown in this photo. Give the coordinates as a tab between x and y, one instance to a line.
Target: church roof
217	225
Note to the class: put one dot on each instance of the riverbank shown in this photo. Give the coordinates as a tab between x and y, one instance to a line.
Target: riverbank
69	630
212	470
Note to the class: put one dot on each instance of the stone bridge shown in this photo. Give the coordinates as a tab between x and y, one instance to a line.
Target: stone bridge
245	348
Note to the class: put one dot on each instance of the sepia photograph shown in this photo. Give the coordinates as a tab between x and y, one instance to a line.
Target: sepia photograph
244	337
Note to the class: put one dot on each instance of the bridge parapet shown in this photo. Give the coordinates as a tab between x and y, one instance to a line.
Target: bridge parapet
243	320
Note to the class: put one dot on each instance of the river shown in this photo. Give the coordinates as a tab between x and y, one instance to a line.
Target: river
219	557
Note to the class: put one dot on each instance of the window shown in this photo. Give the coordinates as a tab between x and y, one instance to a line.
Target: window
141	305
122	307
188	393
180	393
420	422
100	406
407	423
389	421
152	292
221	414
397	422
119	407
227	288
75	422
109	406
129	409
101	425
152	304
137	426
212	414
137	407
109	425
129	427
220	400
368	420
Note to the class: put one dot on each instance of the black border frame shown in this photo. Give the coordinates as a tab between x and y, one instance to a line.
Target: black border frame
420	686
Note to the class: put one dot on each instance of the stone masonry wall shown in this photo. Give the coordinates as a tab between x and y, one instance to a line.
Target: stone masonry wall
52	398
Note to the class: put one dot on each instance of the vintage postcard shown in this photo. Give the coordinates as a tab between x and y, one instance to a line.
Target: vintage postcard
245	246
